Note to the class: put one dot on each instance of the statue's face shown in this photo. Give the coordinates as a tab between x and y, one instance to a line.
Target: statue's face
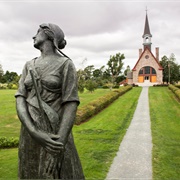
39	38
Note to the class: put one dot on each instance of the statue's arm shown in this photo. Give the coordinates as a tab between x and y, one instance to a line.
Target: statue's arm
67	121
23	114
48	141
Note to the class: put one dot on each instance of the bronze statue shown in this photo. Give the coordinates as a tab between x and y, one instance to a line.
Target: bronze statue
46	103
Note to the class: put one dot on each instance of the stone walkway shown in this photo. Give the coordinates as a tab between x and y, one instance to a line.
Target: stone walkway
133	160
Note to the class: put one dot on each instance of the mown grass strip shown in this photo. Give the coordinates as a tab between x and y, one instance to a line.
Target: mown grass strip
165	123
98	140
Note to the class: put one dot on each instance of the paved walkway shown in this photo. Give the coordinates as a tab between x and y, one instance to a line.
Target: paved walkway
133	160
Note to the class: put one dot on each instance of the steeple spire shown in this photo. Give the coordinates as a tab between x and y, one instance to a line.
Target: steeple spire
147	35
146	27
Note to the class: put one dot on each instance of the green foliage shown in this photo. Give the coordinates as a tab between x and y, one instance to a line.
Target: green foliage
91	85
115	64
3	86
177	85
9	142
175	90
165	125
171	70
99	104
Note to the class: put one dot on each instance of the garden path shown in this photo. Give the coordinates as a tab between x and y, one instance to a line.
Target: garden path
134	158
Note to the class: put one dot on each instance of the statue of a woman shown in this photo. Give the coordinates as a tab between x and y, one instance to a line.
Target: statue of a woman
46	103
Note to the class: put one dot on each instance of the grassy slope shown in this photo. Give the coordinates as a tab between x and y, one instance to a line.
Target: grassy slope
165	119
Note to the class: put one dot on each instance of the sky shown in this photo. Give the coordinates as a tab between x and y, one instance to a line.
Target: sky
93	29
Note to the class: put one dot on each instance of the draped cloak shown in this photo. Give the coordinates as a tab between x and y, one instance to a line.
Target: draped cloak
57	84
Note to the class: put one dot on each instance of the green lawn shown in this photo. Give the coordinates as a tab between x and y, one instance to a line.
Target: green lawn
9	123
165	122
87	96
97	140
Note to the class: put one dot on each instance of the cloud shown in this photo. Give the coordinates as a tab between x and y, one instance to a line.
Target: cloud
94	30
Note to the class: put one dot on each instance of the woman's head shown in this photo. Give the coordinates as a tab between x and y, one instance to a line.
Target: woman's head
54	34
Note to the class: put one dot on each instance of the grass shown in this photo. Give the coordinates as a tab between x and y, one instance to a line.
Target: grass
8	163
87	96
165	122
97	140
9	123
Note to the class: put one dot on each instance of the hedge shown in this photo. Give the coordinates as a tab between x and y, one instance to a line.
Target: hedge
177	85
99	104
83	113
175	90
9	142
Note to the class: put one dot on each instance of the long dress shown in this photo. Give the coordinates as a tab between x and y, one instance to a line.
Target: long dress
57	84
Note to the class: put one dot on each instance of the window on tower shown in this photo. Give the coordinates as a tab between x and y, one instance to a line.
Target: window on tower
147	39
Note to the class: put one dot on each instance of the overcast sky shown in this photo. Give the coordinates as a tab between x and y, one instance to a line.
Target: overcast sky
94	30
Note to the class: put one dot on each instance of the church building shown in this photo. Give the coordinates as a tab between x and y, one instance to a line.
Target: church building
147	69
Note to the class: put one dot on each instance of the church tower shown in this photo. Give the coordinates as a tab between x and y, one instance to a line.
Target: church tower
147	35
147	70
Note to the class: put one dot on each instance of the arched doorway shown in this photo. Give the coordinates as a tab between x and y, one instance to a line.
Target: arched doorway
147	74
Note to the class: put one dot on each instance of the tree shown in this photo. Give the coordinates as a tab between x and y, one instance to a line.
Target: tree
81	80
171	70
128	69
98	76
115	65
88	72
91	85
10	77
1	72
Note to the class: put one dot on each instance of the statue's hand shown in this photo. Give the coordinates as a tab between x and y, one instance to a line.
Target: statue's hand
48	141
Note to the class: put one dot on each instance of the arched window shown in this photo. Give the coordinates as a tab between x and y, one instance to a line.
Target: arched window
147	70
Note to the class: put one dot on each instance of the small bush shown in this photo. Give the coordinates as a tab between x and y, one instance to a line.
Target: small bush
9	142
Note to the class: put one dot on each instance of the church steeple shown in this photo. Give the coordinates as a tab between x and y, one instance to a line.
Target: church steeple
147	35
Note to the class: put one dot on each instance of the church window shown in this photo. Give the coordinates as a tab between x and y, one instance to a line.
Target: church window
147	70
141	71
146	56
153	71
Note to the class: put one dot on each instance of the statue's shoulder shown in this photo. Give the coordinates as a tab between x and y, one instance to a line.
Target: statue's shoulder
64	60
30	62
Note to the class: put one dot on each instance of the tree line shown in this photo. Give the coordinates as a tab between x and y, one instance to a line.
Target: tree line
108	76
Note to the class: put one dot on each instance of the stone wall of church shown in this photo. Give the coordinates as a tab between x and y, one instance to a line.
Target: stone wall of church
147	60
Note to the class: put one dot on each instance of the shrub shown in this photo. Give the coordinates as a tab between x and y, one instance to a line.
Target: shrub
99	104
177	85
161	85
3	86
175	90
8	142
